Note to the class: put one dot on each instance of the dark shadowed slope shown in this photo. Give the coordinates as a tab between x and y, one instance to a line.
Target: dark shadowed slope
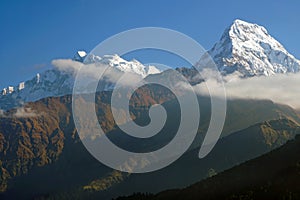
275	175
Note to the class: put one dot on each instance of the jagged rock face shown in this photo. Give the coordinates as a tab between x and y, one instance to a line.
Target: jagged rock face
250	50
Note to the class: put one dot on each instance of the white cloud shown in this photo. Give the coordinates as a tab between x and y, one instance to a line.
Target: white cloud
92	72
67	65
281	88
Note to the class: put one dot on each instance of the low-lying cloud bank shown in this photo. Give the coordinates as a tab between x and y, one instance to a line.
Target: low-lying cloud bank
280	88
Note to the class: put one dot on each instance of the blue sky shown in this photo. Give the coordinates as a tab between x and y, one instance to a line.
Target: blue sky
35	32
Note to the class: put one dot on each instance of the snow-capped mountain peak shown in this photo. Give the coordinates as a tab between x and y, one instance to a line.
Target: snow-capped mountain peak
250	35
250	50
133	66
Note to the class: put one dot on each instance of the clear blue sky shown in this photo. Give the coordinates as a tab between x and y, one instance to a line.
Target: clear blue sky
35	32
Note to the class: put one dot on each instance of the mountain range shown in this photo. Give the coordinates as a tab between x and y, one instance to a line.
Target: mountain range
244	48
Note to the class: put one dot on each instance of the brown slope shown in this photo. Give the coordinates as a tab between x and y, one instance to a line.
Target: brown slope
37	134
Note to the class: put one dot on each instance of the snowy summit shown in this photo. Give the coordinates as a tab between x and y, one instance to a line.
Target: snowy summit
119	63
250	50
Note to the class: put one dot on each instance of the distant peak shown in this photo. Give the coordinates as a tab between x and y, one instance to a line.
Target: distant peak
251	50
242	32
81	53
239	21
239	27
